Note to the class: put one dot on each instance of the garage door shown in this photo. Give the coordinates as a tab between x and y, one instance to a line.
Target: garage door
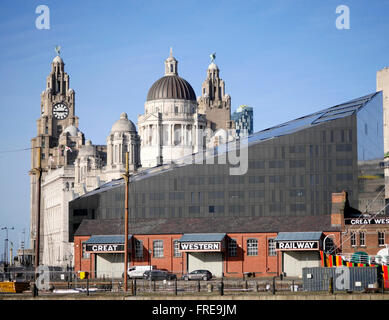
212	261
294	261
109	265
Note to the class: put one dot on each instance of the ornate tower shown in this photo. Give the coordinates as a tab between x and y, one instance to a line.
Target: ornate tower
213	102
59	139
57	121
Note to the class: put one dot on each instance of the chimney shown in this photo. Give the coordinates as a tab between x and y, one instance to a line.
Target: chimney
339	202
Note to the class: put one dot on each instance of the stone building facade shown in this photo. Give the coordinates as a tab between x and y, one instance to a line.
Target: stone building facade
170	125
70	165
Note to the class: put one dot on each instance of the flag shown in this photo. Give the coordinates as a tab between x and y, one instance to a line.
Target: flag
385	276
323	259
349	264
68	149
331	260
339	261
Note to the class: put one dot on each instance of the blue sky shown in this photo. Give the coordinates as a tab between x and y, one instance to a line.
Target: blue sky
283	58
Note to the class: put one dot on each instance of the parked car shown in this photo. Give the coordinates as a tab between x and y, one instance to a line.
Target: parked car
198	275
138	271
158	275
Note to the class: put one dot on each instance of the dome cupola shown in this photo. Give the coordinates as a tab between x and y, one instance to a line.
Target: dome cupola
171	86
123	124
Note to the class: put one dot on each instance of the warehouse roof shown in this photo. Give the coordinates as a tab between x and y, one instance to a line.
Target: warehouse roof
202	237
298	236
111	239
220	225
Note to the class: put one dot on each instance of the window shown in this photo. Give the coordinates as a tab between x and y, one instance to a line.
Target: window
381	238
256	179
297	193
194	209
353	239
344	162
176	196
158	248
236	195
236	179
276	164
276	179
215	180
257	164
216	209
85	255
294	207
362	239
252	247
344	147
296	163
297	149
176	247
256	193
216	195
138	249
232	248
344	177
271	244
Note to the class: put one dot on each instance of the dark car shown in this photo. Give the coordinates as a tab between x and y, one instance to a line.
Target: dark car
198	275
158	275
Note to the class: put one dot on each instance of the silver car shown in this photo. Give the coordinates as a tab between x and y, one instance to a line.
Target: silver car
198	275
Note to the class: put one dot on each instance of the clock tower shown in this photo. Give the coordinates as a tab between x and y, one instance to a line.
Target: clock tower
57	127
59	140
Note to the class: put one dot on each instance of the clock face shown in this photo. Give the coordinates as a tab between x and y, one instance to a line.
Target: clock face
60	111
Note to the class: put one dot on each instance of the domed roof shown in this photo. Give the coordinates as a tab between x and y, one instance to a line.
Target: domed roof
123	124
87	150
171	87
58	59
213	66
72	130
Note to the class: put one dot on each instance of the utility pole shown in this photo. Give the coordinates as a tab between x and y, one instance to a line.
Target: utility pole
11	254
38	172
6	243
127	181
22	245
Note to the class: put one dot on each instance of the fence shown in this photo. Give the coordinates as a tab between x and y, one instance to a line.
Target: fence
70	282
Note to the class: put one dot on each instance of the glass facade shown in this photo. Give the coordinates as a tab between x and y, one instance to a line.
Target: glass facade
293	169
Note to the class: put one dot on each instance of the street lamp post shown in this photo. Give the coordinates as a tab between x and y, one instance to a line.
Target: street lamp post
6	243
324	241
126	177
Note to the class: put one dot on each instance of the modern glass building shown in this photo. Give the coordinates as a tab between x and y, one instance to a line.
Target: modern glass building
244	120
292	170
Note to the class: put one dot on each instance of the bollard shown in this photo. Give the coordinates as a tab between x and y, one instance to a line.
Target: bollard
198	286
221	288
134	287
245	286
34	290
175	286
154	288
87	286
331	286
273	289
256	289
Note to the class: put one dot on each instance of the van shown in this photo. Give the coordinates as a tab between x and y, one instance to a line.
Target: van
138	271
